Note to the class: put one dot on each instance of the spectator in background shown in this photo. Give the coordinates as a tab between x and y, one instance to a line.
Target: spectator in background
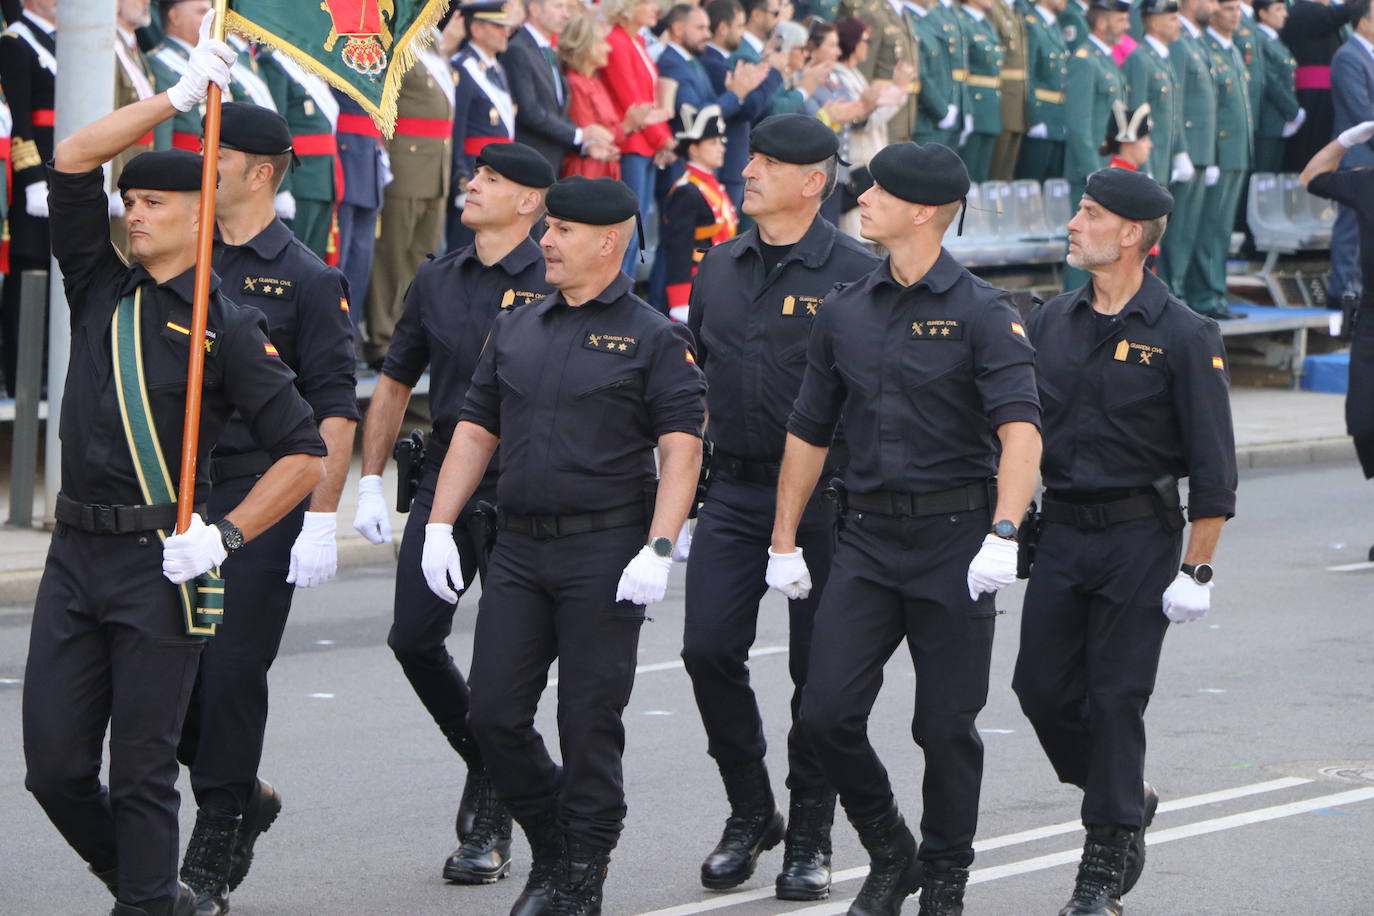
1279	115
1312	33
863	140
800	78
893	41
698	212
723	52
1047	63
1151	80
983	117
687	30
843	104
1352	98
631	78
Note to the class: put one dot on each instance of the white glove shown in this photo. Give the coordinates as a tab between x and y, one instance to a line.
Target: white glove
210	62
951	118
198	549
388	176
682	547
440	562
679	313
1039	132
1183	171
373	518
115	204
1354	136
968	129
993	567
1185	600
1293	126
787	573
645	579
1211	175
285	204
314	556
36	200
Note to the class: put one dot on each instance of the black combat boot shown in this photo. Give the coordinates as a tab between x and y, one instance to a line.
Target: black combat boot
1135	857
805	871
754	825
205	870
263	807
484	855
109	877
583	872
461	740
546	851
467	805
942	889
1098	890
893	870
183	904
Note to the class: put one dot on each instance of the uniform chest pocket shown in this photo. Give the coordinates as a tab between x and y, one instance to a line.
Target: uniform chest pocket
508	387
928	360
164	367
601	412
1130	385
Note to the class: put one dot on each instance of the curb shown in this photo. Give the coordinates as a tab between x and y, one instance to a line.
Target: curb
1297	452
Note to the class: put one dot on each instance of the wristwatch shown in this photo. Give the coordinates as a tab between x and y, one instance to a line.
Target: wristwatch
662	547
1004	529
1201	573
230	534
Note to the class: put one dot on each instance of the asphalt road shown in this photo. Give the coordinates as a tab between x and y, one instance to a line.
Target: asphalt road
1262	746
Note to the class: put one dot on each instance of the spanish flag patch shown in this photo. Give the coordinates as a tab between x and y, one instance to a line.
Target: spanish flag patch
271	350
1217	363
343	305
690	358
1016	328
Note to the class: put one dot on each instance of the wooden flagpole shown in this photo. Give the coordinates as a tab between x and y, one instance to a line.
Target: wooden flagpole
195	370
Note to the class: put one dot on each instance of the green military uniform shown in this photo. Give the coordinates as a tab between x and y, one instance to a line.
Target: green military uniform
1151	81
1205	284
1198	110
937	87
984	82
311	112
1074	23
828	10
1247	42
168	62
1047	65
956	41
1095	83
1011	35
414	204
134	81
890	43
1278	101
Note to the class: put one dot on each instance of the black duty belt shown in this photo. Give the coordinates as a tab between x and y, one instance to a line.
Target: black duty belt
436	449
1099	515
765	472
942	502
99	519
247	464
546	527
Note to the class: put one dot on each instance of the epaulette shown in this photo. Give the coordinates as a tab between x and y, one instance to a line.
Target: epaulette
1081	52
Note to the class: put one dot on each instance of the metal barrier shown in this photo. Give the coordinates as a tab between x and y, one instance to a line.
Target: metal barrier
28	390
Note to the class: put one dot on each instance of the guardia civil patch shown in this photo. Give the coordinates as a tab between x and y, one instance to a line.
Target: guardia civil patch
611	343
273	287
937	329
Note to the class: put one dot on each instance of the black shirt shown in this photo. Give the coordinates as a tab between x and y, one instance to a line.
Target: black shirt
752	325
1355	189
580	396
306	304
241	372
921	375
1149	399
448	313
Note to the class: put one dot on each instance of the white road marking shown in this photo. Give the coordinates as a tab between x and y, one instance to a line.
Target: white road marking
1011	839
676	665
1352	567
320	696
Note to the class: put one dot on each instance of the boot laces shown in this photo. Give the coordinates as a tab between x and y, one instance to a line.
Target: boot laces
807	836
1100	872
576	900
941	894
206	867
491	821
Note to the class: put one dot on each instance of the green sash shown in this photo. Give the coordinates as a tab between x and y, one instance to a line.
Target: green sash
202	601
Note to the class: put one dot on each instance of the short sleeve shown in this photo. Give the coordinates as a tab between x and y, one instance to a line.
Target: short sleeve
816	411
675	388
262	388
1202	401
408	356
326	379
1352	187
1004	365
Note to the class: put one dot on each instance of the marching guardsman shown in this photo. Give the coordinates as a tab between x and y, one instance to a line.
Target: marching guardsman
1073	21
1010	24
929	372
754	303
485	110
414	203
576	389
449	309
1278	116
1192	64
1151	80
1149	386
982	89
698	213
937	102
361	158
892	42
134	81
306	304
119	625
1047	60
28	76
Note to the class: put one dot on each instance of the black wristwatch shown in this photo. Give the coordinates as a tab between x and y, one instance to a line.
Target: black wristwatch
662	547
1201	573
1004	529
230	534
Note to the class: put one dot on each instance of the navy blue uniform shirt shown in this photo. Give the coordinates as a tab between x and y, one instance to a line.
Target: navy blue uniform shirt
921	375
1134	397
580	396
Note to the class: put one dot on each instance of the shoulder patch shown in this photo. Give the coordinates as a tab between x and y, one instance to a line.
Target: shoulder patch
1081	52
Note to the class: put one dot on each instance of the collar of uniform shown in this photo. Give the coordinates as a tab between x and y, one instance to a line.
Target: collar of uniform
1149	300
811	249
942	275
49	28
267	244
1267	31
183	285
518	258
619	287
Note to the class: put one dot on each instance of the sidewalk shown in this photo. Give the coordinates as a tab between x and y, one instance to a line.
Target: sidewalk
1274	427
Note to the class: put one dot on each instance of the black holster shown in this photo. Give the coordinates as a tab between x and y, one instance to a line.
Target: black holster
410	462
708	451
1167	503
838	494
1027	540
482	526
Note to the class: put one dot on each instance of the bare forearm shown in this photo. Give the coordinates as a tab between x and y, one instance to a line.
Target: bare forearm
337	433
802	464
383	423
467	459
103	139
287	482
679	469
1018	469
1202	540
1328	158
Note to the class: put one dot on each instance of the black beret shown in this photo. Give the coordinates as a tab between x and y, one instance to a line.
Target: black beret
796	138
1132	195
253	129
1156	7
595	201
519	163
162	170
1110	6
929	173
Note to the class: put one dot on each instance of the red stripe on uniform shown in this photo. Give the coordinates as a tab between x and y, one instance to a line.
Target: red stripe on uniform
424	127
182	140
315	145
359	124
44	117
474	145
